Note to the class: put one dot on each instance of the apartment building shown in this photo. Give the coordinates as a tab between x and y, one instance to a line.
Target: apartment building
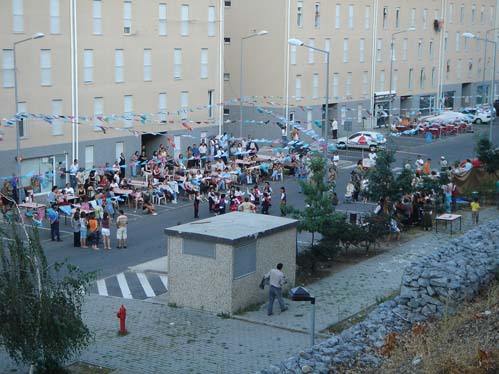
107	77
424	40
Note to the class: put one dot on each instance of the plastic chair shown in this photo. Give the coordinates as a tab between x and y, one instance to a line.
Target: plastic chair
158	196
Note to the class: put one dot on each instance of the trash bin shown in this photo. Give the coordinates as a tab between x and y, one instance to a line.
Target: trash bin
475	195
429	137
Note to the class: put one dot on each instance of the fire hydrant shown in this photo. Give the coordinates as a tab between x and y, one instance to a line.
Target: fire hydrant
122	316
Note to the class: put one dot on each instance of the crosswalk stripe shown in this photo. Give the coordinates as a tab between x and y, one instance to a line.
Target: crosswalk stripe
125	291
101	287
164	280
349	167
144	282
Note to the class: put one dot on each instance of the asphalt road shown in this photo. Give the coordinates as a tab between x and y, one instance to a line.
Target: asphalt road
146	238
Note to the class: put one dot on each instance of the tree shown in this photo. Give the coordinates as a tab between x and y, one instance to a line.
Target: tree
319	208
488	156
382	183
40	317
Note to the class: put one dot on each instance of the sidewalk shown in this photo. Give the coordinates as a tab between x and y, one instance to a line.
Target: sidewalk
359	286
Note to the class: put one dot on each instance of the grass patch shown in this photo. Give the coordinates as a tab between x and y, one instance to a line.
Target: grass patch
250	308
467	342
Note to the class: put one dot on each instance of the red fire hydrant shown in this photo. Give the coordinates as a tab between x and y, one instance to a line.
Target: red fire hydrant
122	316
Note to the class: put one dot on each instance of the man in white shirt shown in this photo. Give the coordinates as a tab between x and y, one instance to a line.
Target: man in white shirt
73	170
334	127
276	281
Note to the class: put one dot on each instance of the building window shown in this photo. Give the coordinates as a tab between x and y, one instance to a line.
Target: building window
451	12
491	15
299	14
422	79
128	110
473	13
367	18
382	80
97	17
385	17
461	15
8	68
204	63
317	15
433	77
327	47
365	83
89	157
446	39
430	49
379	50
127	17
345	50
298	88
337	19
392	50
17	16
350	16
420	48
459	69
184	99
226	77
470	67
55	17
458	42
315	86
226	40
119	66
211	104
292	56
311	43
397	18
162	106
405	45
147	65
211	21
185	20
349	84
227	3
425	18
336	81
465	46
362	49
413	17
177	63
411	78
46	67
98	112
22	122
57	128
88	65
395	79
162	14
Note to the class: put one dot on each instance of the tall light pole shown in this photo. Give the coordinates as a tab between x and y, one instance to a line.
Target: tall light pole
469	35
392	56
38	35
259	33
299	43
485	54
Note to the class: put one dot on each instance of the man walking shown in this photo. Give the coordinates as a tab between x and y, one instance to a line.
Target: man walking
54	224
334	128
121	232
276	281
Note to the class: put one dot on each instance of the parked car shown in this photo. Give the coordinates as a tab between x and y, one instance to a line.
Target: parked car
363	140
478	115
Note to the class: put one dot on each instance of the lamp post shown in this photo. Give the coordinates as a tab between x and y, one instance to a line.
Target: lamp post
259	33
470	35
38	35
485	53
392	55
299	43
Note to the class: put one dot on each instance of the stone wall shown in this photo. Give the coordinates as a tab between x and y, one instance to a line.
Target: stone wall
433	286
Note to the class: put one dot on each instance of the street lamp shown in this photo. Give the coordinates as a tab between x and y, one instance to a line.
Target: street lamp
38	35
299	43
259	33
392	55
485	53
470	35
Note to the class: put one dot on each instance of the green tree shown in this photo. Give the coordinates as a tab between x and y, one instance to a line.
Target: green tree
488	156
382	183
40	317
317	214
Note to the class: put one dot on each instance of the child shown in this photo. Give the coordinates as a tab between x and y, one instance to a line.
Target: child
197	198
475	210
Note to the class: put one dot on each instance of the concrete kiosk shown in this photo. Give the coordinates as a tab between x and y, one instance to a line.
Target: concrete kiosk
216	264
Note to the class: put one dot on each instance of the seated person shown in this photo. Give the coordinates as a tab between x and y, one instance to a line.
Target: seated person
148	206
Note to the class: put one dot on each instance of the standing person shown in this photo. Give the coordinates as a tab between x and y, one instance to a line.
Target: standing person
54	224
283	201
83	230
247	206
276	281
427	220
76	224
221	204
133	163
334	128
106	230
121	233
284	136
93	229
73	170
122	164
475	211
427	167
419	165
266	204
197	199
